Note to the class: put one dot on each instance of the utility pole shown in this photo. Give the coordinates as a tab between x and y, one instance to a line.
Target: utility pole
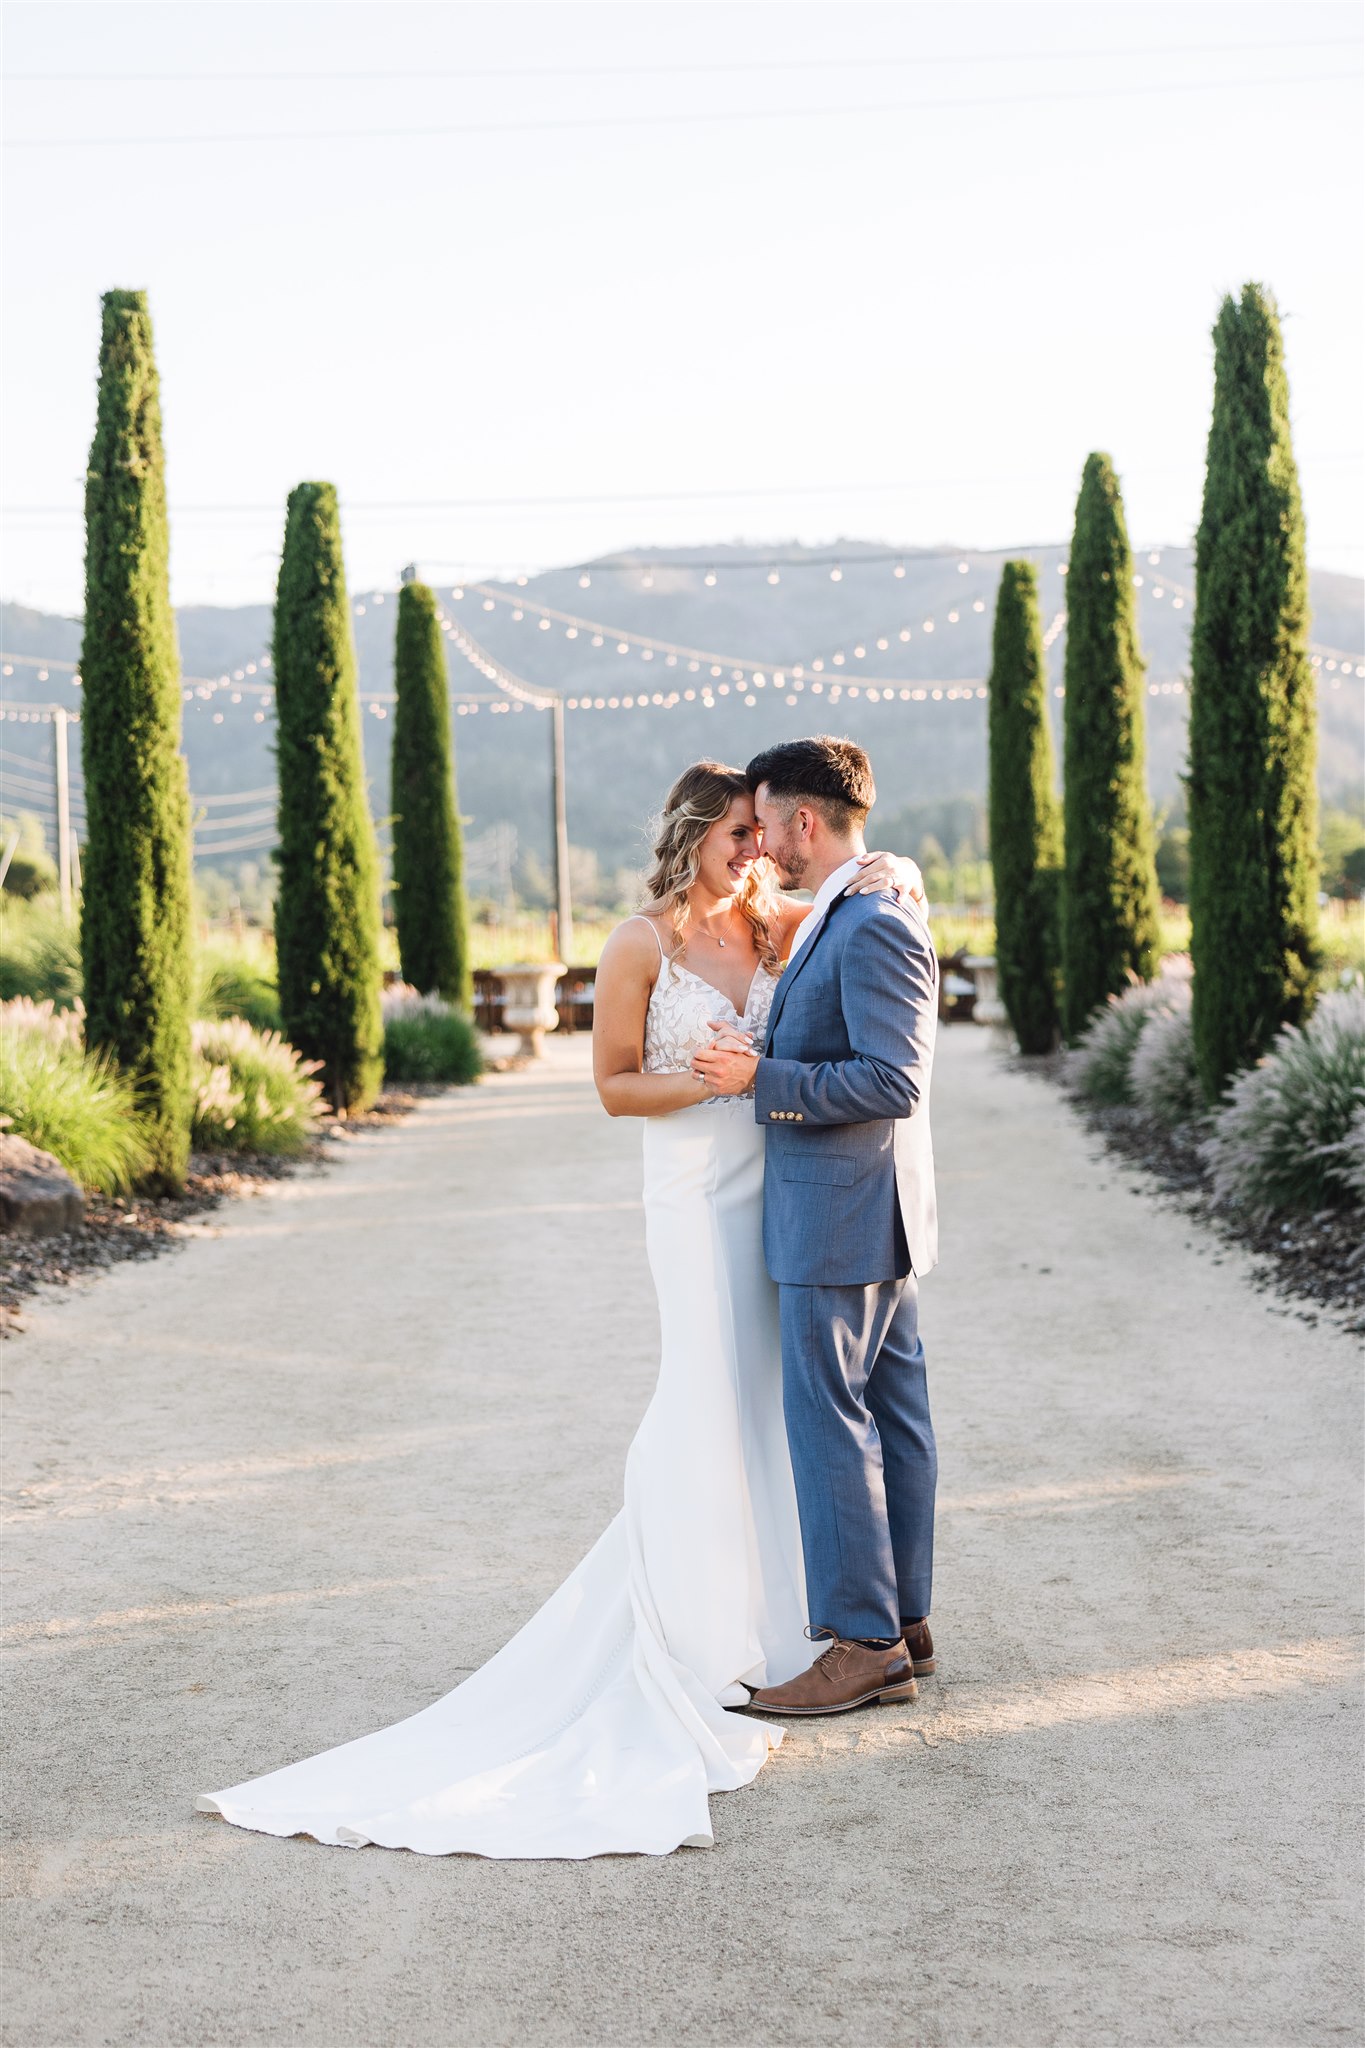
63	809
560	827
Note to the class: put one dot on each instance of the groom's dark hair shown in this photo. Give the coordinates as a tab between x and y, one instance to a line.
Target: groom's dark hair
833	776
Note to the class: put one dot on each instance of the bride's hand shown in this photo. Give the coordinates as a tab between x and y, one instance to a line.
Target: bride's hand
727	1064
727	1039
890	871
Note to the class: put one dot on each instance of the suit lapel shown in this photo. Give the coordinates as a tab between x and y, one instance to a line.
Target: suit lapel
808	946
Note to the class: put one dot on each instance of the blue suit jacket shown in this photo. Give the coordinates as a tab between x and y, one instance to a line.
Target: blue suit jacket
843	1093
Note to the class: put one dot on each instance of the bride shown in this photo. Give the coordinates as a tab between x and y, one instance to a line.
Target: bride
603	1725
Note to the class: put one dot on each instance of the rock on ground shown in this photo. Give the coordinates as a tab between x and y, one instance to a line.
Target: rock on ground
37	1194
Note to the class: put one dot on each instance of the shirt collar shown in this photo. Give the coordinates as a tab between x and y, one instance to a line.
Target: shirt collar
828	892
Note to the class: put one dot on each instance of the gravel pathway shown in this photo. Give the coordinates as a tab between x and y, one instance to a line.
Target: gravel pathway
296	1479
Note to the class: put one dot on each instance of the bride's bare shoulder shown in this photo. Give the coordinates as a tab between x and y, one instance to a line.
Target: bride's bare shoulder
637	942
792	912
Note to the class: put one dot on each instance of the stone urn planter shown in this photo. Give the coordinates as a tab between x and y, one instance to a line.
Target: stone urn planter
528	1002
988	1008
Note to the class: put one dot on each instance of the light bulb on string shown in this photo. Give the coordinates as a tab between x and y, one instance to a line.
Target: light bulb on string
899	569
836	574
773	576
597	639
709	579
962	568
584	581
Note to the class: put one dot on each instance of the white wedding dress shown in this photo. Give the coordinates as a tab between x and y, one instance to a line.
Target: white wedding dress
602	1726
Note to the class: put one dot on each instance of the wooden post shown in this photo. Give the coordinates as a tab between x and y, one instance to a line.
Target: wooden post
560	839
63	810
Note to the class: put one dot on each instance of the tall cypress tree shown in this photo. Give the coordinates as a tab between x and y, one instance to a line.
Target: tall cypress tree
1110	901
135	911
1253	714
327	911
428	848
1025	823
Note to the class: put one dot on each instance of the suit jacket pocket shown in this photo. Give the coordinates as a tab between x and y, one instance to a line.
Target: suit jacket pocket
830	1169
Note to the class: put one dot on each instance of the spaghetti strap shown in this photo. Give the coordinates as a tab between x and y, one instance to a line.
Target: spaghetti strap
638	916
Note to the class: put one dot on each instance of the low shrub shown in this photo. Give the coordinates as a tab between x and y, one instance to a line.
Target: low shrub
252	1092
1163	1077
1100	1065
40	952
1284	1136
1348	1153
426	1040
69	1102
236	981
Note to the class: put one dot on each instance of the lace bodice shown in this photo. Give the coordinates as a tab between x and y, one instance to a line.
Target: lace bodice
681	1009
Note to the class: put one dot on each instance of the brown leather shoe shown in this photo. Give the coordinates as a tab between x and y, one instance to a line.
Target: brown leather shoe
847	1675
920	1644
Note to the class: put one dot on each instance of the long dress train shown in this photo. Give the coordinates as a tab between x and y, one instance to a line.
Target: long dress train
601	1726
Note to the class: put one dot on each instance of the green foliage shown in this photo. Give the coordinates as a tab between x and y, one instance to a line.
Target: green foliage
428	850
1025	826
252	1091
426	1040
1173	863
1111	903
31	872
1342	840
40	953
1284	1138
1252	794
327	911
233	980
135	923
72	1103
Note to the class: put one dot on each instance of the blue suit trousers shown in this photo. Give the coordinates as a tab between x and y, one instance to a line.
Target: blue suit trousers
857	1407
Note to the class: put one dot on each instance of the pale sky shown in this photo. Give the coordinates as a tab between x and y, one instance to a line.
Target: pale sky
765	271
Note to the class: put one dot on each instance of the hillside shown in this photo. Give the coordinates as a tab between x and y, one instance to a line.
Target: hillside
621	762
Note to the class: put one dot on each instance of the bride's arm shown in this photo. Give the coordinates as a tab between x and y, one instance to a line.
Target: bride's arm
625	978
892	871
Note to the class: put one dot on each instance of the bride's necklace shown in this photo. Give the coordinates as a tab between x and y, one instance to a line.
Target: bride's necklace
712	935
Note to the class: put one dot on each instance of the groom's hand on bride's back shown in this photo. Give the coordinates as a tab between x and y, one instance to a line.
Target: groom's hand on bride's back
727	1064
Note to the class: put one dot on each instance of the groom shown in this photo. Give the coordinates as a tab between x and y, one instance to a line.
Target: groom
849	1225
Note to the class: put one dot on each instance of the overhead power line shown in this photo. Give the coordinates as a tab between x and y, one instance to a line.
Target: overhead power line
569	500
763	65
567	123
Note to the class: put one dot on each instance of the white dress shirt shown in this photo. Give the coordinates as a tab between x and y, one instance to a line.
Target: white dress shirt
833	886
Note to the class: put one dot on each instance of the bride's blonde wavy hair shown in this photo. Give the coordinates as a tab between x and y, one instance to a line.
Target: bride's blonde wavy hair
699	799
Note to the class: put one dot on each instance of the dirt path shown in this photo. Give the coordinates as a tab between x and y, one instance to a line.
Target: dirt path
295	1480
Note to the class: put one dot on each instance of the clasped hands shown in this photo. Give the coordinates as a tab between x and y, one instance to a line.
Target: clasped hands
727	1063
